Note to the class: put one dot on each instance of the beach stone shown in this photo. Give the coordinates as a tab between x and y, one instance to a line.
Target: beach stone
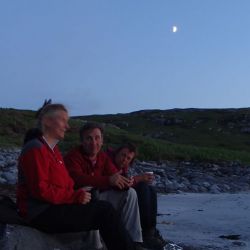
3	181
214	189
206	184
170	176
21	237
195	188
239	243
10	177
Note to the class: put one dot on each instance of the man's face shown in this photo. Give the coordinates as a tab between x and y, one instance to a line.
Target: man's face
57	124
92	141
124	157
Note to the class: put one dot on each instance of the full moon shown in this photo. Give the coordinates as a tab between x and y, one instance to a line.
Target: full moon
174	29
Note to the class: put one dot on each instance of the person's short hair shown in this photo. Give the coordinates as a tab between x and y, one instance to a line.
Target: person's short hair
47	109
131	147
90	126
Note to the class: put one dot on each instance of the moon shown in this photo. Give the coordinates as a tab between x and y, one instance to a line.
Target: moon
174	29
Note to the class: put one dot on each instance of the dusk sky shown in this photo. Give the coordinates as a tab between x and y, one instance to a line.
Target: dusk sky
114	56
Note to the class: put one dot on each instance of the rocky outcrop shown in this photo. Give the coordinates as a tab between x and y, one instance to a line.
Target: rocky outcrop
171	177
175	177
16	237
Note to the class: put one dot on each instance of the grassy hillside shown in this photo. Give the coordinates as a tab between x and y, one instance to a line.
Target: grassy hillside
220	128
190	134
13	124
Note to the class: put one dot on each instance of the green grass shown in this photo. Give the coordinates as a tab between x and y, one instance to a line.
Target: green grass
209	139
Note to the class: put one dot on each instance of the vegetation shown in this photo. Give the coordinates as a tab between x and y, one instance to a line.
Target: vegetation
188	134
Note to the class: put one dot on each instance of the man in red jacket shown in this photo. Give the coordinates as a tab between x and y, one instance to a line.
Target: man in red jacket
89	166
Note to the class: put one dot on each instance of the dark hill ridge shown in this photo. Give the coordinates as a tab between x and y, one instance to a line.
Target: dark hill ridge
224	128
189	134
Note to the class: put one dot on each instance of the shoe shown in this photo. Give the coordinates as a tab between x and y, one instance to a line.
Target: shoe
153	243
139	246
159	236
153	240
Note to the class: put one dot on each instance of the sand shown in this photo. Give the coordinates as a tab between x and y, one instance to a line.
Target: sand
198	220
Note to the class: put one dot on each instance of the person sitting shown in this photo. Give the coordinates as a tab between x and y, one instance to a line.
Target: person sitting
123	158
46	197
88	165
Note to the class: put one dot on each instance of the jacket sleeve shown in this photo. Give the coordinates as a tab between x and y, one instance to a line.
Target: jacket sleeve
136	180
44	184
82	177
109	167
136	177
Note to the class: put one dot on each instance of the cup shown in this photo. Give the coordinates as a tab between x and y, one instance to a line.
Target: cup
94	192
151	173
87	188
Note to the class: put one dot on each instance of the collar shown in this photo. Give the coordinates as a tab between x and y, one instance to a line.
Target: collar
51	146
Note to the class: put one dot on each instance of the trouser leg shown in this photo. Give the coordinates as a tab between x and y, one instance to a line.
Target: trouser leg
126	203
147	200
94	239
92	216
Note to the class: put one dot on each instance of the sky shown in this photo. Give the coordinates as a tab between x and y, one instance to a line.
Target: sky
116	56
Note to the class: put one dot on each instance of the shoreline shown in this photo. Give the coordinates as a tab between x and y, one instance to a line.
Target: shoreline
205	221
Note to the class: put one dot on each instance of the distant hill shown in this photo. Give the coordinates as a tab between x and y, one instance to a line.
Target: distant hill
190	134
225	128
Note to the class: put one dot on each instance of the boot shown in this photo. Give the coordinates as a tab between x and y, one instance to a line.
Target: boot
153	240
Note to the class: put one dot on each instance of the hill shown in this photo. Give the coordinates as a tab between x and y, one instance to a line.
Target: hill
177	134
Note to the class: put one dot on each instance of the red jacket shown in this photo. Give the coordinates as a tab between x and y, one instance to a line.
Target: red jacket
43	179
84	173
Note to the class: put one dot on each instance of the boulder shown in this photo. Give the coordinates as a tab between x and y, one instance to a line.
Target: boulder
17	237
15	234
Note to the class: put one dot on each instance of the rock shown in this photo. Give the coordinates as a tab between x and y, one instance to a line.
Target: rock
226	187
10	177
239	244
194	188
21	237
170	176
206	184
3	181
214	189
203	189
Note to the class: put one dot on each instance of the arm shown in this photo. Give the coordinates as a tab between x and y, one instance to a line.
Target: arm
116	179
148	178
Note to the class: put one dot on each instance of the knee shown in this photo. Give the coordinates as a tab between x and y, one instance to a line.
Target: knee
104	205
131	194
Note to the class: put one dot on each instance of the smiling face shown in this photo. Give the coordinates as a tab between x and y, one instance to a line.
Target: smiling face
124	157
56	124
92	141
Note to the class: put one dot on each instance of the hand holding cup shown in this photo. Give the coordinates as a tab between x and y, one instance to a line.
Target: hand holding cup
86	195
149	177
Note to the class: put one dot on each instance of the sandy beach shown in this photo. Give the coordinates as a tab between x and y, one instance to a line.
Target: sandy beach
206	221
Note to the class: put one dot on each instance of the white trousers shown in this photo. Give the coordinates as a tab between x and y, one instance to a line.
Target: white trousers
126	204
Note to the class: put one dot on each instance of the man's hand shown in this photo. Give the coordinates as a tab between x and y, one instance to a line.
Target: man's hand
86	197
148	178
120	181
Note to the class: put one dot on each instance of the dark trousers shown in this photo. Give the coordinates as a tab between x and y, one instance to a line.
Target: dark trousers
147	200
76	218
